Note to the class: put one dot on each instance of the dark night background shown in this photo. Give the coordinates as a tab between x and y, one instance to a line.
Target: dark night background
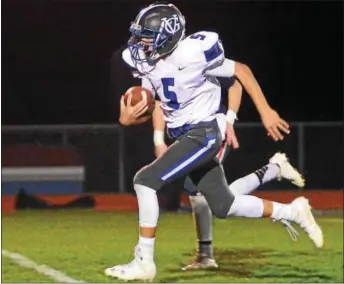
55	55
56	70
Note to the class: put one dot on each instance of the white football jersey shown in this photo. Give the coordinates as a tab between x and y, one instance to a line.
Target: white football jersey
187	94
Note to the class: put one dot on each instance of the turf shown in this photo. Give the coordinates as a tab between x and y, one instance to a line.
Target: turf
82	243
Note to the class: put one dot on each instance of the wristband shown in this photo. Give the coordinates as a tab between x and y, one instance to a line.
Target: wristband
158	137
231	116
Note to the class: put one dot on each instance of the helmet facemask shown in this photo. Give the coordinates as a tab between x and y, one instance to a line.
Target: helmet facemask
145	43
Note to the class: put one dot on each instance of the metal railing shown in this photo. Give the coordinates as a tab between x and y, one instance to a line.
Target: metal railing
311	143
300	128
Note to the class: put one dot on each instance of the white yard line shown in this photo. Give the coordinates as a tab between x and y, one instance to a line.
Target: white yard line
56	275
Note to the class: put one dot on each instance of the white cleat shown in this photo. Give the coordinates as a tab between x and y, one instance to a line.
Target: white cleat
304	217
202	262
139	269
287	171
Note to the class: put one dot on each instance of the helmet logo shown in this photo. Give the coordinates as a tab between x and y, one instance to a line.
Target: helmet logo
171	25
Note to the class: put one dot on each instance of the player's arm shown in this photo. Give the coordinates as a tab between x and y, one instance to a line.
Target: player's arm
230	68
247	79
234	101
159	130
158	124
234	94
217	65
270	118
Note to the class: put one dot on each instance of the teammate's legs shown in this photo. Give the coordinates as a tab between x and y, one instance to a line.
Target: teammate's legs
203	224
202	219
202	214
277	168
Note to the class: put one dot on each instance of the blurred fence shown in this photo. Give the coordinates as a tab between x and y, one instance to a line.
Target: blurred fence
109	155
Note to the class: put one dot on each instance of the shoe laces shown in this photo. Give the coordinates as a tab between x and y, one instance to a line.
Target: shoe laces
293	233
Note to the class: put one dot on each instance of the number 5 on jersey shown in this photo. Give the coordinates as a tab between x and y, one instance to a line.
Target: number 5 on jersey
170	95
198	36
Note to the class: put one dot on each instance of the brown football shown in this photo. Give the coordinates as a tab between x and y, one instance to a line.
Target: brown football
138	93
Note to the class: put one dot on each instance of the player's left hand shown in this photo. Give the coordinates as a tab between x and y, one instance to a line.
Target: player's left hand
232	140
275	125
160	150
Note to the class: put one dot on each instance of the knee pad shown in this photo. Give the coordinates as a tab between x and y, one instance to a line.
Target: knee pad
148	206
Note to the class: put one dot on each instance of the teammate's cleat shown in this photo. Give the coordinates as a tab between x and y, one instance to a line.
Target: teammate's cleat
202	262
304	217
287	171
140	268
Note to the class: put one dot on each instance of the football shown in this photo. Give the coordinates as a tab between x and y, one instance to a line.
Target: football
138	94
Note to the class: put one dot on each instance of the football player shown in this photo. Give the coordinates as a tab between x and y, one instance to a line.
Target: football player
182	72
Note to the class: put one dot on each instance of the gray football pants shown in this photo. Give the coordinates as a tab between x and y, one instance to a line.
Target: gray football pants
193	155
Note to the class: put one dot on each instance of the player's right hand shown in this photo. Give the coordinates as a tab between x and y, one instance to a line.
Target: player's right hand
274	124
232	140
160	150
131	114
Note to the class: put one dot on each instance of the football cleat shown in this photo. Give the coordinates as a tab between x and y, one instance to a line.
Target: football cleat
202	262
287	171
303	216
141	268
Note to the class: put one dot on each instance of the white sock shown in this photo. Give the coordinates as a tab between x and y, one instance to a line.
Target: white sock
268	173
247	206
252	207
203	222
146	246
146	241
244	185
249	183
282	211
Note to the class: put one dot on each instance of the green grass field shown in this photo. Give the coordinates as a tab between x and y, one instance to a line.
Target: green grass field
82	243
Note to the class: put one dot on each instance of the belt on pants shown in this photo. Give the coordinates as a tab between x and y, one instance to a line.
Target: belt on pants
178	131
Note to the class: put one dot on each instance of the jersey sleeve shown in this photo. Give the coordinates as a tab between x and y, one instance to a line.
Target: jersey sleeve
226	69
211	48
